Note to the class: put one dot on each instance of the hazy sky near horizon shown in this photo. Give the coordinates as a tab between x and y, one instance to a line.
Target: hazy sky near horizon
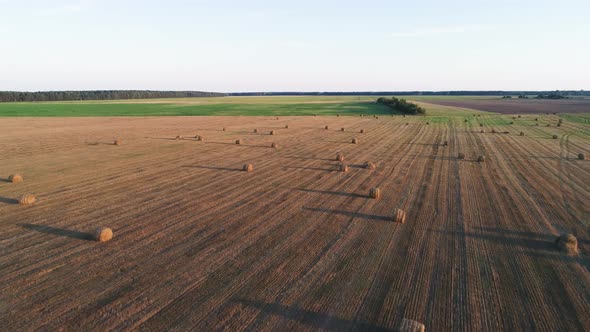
300	45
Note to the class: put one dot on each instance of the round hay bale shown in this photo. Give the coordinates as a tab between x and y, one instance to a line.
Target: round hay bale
338	115
370	165
513	118
27	199
178	138
341	129
521	133
481	124
536	119
548	125
581	156
427	123
399	216
340	156
519	116
354	141
255	131
511	122
362	131
15	178
482	131
407	123
377	117
481	159
560	121
238	141
274	145
408	325
461	156
375	193
247	168
200	138
117	142
286	126
103	234
272	132
343	168
554	136
568	244
446	143
493	131
326	127
465	120
224	129
559	124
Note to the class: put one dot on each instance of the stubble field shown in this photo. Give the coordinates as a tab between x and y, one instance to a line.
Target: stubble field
294	245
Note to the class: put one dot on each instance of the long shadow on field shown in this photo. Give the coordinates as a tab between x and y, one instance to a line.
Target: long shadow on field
306	158
310	168
327	192
543	236
509	232
99	143
242	145
173	138
8	200
426	156
350	214
4	180
310	318
216	168
534	242
57	231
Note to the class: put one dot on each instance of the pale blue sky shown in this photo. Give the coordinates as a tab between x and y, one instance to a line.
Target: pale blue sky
294	46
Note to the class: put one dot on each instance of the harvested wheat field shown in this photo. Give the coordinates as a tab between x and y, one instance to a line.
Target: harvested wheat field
296	244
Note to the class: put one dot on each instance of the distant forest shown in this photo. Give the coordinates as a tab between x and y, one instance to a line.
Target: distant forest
15	96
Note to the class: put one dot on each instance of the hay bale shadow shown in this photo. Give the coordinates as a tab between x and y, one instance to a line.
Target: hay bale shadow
215	168
58	231
4	180
310	168
99	143
351	214
311	319
327	192
6	200
309	158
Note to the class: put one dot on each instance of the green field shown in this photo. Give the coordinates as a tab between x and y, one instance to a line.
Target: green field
260	106
255	106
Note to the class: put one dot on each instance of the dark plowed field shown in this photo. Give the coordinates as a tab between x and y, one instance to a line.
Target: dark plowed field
515	106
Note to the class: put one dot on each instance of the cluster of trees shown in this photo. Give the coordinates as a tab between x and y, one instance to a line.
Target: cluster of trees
401	105
550	96
15	96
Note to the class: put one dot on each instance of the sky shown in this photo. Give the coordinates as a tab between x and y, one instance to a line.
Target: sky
304	45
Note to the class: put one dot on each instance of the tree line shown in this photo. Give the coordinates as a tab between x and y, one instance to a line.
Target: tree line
17	96
401	105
